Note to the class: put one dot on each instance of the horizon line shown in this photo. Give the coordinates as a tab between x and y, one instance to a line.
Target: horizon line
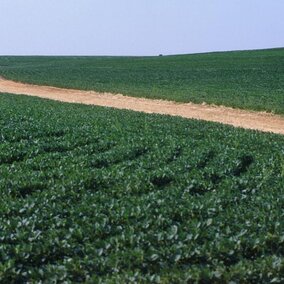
158	55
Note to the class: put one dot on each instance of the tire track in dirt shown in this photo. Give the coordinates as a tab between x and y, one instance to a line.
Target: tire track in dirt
239	118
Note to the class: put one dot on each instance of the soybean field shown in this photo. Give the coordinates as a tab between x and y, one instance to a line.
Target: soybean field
97	195
241	79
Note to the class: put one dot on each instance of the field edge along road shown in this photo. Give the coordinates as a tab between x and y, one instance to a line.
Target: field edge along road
261	121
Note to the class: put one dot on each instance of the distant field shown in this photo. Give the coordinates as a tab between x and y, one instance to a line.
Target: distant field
246	79
109	195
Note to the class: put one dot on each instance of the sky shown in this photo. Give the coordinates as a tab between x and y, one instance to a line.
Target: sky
138	27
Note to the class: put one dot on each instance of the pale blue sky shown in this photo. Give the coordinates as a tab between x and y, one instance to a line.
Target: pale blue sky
138	27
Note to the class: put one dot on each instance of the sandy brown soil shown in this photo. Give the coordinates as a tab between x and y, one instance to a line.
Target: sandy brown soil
239	118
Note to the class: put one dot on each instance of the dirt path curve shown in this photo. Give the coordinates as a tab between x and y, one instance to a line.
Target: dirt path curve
238	118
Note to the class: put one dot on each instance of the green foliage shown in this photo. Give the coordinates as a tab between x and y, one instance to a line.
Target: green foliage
90	194
246	79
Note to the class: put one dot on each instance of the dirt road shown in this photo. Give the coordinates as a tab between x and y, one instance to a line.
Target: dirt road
238	118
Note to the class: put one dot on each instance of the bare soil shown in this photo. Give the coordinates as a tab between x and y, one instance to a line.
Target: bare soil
239	118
